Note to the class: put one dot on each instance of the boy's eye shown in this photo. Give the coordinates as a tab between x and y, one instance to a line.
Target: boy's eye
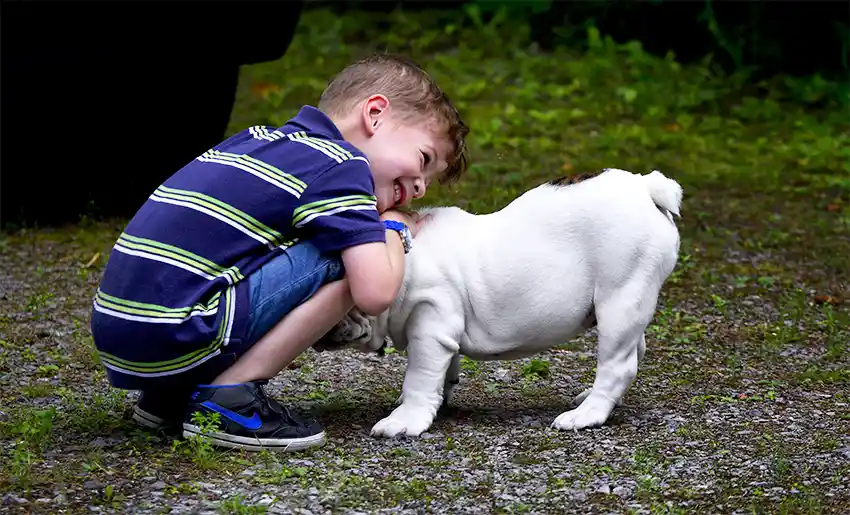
425	158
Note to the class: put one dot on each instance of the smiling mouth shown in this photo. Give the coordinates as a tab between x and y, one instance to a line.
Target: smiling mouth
398	193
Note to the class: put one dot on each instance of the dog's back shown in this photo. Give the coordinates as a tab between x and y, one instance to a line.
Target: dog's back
620	217
515	266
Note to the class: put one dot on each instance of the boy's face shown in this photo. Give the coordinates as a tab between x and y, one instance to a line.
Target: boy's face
405	154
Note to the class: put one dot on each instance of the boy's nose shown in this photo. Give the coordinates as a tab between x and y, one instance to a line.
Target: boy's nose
418	189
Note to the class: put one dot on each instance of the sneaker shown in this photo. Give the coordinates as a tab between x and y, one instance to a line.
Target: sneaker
250	420
155	410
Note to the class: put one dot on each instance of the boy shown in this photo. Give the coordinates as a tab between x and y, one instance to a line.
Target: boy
249	254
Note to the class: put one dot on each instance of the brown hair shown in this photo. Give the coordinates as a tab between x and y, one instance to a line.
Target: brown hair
407	85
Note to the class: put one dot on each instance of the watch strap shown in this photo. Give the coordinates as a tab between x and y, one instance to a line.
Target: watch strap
403	231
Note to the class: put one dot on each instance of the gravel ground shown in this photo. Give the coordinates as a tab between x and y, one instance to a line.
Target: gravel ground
741	406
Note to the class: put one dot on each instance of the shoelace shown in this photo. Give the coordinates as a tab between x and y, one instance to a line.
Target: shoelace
271	405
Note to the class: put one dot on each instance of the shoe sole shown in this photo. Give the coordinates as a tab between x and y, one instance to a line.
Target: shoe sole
257	444
147	419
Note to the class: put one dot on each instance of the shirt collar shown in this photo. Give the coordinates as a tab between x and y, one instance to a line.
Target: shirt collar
311	119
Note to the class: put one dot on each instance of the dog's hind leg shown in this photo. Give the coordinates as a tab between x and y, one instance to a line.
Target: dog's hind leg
452	379
622	321
641	351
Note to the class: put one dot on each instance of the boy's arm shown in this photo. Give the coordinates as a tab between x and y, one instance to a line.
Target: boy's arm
375	270
338	213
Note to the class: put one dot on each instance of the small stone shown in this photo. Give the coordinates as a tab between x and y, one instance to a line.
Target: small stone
92	484
265	500
159	485
427	436
43	500
503	374
10	499
621	491
604	489
149	478
60	499
248	472
98	442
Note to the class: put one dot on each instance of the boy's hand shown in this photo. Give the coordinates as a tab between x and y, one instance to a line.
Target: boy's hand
408	218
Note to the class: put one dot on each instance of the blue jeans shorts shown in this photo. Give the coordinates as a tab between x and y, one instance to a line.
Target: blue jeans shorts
283	284
275	289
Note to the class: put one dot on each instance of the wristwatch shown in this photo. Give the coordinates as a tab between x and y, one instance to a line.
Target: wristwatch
403	231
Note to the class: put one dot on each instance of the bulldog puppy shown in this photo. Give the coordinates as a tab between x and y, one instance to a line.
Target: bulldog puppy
559	259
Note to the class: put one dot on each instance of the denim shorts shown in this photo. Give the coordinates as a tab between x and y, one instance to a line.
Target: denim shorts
283	284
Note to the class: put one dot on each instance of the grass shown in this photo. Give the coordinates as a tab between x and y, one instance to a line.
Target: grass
752	328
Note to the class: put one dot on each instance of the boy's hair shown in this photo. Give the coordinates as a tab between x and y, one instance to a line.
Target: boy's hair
407	86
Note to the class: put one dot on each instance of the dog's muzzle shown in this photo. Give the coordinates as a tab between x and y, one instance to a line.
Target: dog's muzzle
329	343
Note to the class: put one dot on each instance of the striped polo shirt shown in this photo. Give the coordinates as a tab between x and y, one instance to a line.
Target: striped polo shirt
174	293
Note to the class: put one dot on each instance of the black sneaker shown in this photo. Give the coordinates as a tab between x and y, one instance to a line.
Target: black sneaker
157	410
250	420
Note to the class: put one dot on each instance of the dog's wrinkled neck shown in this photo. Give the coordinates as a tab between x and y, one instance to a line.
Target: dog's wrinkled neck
423	220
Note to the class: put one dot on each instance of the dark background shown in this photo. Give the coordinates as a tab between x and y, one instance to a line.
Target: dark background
102	101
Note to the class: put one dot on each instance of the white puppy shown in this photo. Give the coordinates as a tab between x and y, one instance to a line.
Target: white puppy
558	259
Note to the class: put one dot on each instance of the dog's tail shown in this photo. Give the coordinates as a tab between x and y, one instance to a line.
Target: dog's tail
665	192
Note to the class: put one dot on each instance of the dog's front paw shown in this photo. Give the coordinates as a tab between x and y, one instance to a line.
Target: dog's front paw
409	422
591	413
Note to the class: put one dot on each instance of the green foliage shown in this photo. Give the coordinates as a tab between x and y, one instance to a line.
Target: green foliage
470	366
30	430
236	506
536	369
37	302
199	447
537	115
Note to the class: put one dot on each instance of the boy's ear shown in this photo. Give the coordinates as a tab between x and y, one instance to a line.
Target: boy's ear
375	111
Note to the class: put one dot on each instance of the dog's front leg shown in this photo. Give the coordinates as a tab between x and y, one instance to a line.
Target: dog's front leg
428	360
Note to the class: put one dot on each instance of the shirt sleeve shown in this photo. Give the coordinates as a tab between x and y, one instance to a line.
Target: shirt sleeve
339	209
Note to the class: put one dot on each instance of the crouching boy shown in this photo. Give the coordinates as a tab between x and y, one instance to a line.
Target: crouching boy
249	254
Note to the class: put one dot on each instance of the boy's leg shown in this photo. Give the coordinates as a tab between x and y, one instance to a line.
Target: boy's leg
295	299
298	330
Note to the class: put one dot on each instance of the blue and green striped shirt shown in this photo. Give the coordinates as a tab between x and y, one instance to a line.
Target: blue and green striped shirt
174	293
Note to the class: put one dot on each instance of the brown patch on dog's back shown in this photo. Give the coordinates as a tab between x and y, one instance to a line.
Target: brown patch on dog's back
574	179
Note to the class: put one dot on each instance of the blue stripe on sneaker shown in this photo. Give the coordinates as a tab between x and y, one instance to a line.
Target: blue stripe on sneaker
253	423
